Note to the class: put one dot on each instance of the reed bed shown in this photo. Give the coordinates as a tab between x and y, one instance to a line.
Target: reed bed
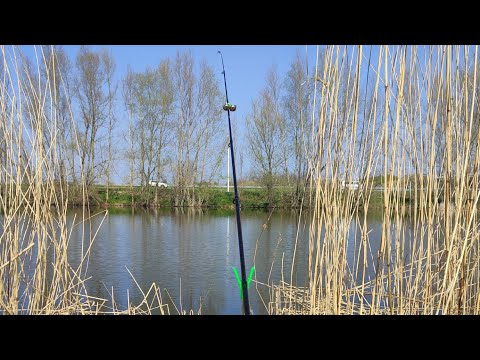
410	115
407	114
36	274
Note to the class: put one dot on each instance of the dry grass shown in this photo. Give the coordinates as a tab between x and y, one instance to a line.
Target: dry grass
36	274
414	120
409	114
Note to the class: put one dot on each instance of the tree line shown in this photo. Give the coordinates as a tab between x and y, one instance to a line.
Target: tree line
173	111
174	122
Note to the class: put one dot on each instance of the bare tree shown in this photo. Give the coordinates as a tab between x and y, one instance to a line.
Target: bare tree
167	99
93	100
127	93
265	134
50	80
184	127
296	107
109	65
196	128
149	97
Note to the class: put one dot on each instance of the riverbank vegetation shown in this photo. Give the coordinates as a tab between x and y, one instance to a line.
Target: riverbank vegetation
410	114
217	197
402	120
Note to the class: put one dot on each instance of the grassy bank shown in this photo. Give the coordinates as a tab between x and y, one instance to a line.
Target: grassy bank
213	197
406	117
254	198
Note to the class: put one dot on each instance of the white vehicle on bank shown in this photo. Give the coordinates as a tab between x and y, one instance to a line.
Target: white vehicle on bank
157	183
353	185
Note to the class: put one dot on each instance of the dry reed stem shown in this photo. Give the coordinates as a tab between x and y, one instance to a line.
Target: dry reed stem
418	129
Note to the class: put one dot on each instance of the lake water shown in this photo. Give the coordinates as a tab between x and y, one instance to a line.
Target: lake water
190	253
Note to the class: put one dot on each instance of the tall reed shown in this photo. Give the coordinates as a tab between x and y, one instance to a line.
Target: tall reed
410	116
36	275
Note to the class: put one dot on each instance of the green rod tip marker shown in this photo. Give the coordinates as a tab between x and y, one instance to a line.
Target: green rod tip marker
239	281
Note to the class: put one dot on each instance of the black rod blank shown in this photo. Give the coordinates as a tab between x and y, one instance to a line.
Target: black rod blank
246	305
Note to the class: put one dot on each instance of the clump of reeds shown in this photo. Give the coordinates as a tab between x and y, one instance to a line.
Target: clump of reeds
36	274
410	115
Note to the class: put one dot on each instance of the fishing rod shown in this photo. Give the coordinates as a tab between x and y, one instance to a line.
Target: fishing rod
244	289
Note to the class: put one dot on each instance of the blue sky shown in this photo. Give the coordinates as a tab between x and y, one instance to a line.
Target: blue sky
246	67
